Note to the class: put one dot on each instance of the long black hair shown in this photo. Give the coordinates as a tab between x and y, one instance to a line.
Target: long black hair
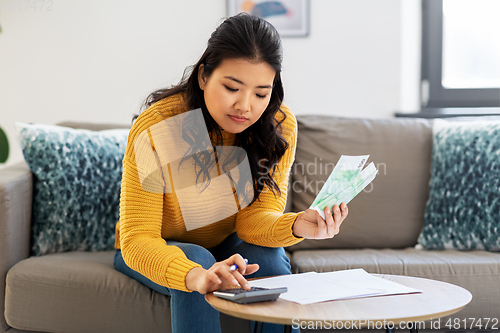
252	38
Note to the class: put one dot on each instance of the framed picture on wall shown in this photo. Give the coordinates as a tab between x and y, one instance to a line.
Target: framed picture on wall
289	17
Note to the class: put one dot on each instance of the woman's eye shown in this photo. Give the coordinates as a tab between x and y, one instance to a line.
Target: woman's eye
230	89
234	90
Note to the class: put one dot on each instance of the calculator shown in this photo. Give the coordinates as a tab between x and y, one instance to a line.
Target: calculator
255	294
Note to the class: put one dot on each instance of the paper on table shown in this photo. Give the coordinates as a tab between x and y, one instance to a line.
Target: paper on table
312	287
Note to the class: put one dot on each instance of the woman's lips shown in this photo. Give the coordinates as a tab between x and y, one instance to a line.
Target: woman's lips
238	119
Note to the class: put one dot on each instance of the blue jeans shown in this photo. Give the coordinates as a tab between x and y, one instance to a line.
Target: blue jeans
189	310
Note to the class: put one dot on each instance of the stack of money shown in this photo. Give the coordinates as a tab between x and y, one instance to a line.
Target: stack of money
345	182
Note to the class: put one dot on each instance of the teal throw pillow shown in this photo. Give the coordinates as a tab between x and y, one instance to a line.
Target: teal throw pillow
463	208
76	193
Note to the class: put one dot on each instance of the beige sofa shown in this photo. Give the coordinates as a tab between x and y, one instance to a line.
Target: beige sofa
82	292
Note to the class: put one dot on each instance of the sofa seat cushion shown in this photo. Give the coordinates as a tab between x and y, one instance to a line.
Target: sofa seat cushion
476	271
81	292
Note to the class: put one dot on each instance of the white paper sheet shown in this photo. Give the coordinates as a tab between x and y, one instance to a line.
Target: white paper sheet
312	287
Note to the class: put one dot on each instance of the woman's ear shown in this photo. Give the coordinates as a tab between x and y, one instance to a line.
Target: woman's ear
201	77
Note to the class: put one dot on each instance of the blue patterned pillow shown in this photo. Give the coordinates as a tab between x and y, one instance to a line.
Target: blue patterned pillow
463	208
77	178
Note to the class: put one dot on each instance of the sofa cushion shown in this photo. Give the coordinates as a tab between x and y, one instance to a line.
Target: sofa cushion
76	186
81	292
463	209
389	212
476	271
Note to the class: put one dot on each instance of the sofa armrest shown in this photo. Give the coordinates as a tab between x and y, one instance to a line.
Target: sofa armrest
16	190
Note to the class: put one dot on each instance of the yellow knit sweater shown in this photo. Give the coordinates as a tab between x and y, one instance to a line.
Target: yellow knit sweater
148	219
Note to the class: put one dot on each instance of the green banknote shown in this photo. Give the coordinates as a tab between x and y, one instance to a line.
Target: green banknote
347	179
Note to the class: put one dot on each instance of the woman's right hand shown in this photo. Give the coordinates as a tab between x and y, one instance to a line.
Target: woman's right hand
219	275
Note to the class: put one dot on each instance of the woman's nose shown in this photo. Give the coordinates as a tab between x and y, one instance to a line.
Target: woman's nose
243	103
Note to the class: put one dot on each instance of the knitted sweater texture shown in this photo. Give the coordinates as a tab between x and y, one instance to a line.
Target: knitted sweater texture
148	220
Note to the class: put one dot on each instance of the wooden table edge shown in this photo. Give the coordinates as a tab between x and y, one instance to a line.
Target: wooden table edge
359	322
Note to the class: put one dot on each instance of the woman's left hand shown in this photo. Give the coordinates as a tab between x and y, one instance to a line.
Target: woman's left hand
311	225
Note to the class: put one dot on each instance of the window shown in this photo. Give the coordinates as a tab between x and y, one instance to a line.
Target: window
460	53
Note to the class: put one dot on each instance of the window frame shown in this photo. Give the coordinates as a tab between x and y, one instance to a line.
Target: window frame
434	95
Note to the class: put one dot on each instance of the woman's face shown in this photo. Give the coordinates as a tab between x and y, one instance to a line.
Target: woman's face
237	92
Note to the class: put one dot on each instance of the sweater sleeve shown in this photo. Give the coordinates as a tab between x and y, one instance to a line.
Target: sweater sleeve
263	222
141	213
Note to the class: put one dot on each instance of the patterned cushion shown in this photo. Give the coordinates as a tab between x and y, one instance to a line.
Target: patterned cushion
77	178
463	208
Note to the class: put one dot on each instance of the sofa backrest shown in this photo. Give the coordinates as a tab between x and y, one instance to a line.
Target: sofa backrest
92	126
389	212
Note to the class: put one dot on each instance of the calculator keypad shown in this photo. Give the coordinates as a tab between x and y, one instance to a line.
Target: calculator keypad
240	290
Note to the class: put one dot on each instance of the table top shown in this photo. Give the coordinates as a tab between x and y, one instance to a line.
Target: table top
438	299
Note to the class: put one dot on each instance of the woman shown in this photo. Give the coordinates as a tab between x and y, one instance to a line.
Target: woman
236	89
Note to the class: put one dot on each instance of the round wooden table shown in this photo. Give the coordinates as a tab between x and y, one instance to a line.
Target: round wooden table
438	299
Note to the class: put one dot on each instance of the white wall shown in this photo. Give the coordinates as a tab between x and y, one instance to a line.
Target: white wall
351	64
97	60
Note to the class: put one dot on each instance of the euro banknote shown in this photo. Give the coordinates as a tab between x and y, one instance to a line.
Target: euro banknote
347	179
